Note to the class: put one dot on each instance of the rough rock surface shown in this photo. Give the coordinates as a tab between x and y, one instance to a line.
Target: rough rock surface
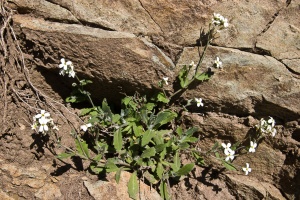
128	46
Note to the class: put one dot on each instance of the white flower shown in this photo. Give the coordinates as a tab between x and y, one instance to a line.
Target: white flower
43	114
229	155
271	121
253	145
219	20
66	68
226	147
43	124
192	64
199	102
85	127
273	132
165	79
34	126
247	169
218	63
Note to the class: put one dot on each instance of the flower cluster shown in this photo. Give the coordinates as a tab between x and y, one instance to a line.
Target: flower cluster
228	151
42	122
266	127
220	21
66	68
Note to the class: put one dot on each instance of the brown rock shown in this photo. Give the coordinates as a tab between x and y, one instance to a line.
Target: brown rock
103	190
48	192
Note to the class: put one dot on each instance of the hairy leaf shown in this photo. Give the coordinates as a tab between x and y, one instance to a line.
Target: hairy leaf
163	189
133	187
185	169
146	137
118	142
150	177
161	97
82	148
148	153
164	117
229	166
64	155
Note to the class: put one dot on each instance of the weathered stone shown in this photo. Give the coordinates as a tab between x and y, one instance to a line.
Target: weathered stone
44	9
247	186
103	190
4	196
282	39
111	59
48	192
249	84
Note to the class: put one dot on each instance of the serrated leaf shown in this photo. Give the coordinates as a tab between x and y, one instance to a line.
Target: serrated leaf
176	162
150	106
96	169
82	148
150	177
189	139
64	155
148	153
137	130
110	166
163	118
163	189
229	166
106	108
116	118
160	147
97	158
203	76
146	137
179	131
159	170
161	97
126	100
133	187
185	169
118	142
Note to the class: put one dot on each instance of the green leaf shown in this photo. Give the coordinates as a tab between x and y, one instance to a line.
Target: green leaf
217	154
106	108
118	142
116	118
64	155
160	147
96	169
118	174
150	177
229	166
183	77
163	189
150	106
164	117
85	111
82	148
199	159
176	165
97	158
189	139
203	76
191	131
159	170
179	131
110	166
126	100
133	187
185	169
146	137
137	130
148	153
161	97
216	145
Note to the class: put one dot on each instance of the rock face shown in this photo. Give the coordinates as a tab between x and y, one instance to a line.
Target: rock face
128	46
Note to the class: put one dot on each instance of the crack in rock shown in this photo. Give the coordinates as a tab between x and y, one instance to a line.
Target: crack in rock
151	16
